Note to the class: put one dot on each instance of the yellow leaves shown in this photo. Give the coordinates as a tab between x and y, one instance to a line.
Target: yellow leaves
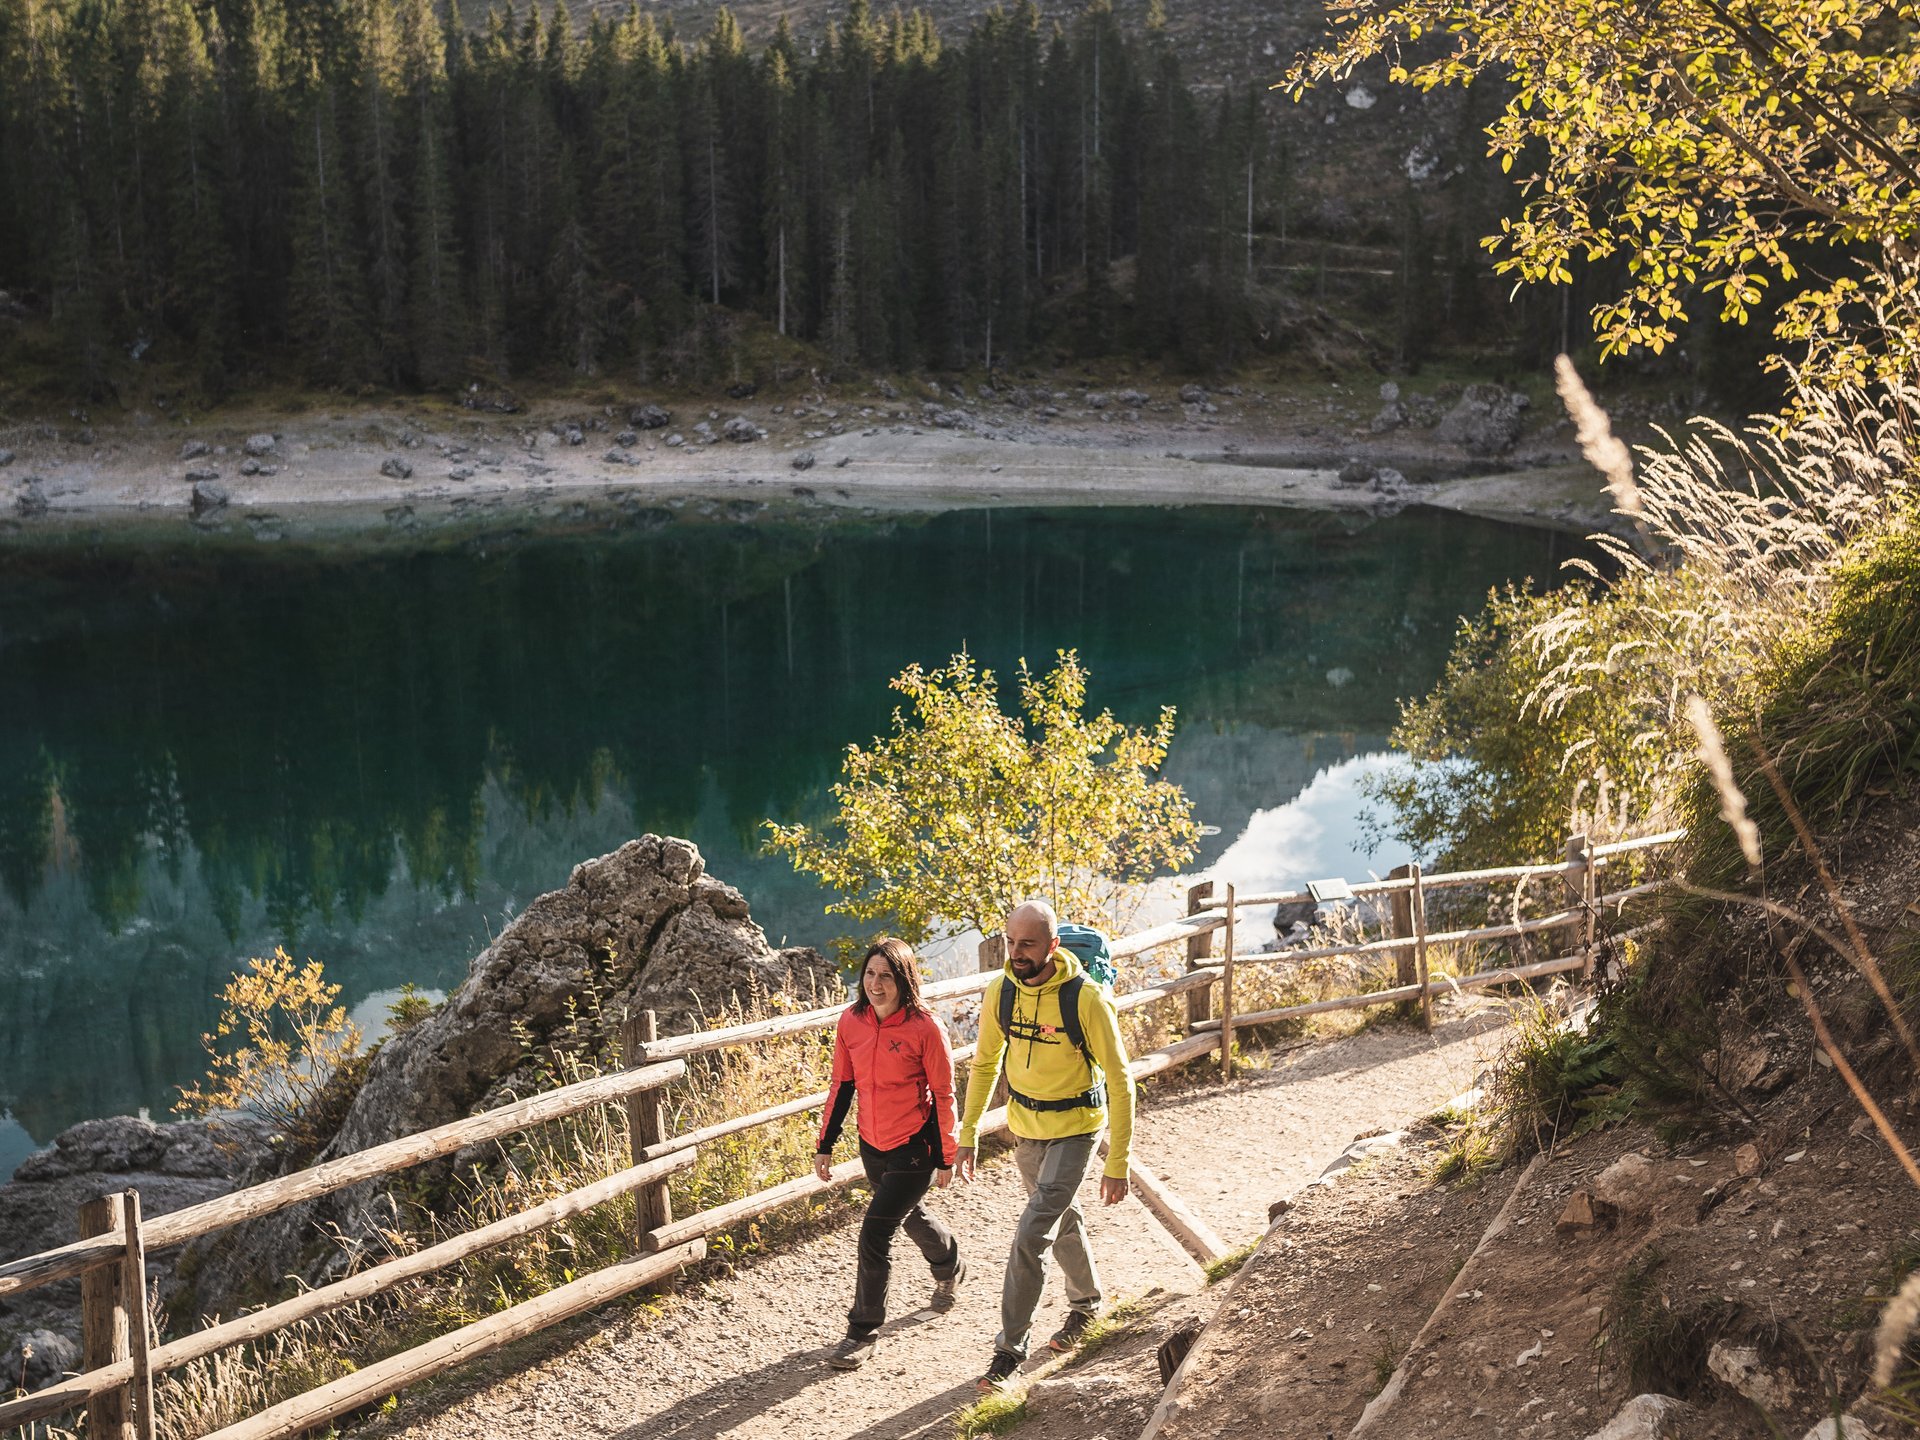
964	809
293	1035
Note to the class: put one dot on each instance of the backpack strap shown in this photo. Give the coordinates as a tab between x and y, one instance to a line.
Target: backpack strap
1006	1011
1070	1015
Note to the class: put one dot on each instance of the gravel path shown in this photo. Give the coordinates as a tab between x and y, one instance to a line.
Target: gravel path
743	1357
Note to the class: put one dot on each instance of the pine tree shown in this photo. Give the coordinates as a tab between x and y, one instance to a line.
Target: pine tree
436	306
380	147
783	222
198	260
713	230
327	300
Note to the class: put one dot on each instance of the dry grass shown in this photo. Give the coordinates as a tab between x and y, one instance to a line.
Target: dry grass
522	1171
1736	538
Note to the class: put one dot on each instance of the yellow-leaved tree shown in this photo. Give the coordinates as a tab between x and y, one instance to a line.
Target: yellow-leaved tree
964	810
1721	149
280	1039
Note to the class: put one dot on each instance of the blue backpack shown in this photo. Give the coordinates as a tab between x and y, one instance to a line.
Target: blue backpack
1089	947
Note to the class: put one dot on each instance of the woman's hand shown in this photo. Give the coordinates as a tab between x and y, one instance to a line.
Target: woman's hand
943	1177
823	1167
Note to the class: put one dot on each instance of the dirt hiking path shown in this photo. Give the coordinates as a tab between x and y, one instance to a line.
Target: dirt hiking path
743	1356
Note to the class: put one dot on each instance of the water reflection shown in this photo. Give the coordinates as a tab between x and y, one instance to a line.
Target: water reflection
1313	836
376	761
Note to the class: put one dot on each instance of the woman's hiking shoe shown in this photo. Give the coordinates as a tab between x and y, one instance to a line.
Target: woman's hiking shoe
1000	1372
1068	1335
944	1291
851	1353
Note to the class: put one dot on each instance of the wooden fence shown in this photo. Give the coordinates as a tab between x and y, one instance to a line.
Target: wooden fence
121	1360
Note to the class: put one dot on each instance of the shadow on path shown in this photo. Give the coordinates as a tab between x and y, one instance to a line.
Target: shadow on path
727	1404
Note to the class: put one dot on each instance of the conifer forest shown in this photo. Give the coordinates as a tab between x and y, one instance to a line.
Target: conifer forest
375	195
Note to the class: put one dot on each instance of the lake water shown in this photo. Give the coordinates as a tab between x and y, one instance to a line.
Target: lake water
211	748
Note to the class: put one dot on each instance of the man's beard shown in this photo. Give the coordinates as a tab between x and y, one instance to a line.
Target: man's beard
1026	969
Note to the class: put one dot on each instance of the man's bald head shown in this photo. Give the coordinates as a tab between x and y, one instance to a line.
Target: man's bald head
1029	913
1032	928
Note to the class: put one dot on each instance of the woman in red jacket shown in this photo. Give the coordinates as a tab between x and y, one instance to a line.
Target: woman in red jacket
891	1052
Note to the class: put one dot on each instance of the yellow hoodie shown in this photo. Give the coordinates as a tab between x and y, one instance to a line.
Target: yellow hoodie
1043	1063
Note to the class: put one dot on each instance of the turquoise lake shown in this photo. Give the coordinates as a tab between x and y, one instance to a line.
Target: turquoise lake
376	759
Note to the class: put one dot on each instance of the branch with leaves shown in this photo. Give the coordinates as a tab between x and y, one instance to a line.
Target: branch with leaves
1721	151
963	811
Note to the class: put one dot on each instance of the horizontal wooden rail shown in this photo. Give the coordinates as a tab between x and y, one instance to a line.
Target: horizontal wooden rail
1639	842
1166	989
1215	917
1505	976
752	1207
699	1042
377	1381
1181	1052
371	1164
1172	933
69	1394
1196	1237
720	1129
48	1266
383	1277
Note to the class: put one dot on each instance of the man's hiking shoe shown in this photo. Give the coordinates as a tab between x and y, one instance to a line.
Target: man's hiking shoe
1001	1371
851	1353
944	1291
1068	1335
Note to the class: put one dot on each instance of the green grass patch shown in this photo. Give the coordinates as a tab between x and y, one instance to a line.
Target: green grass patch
1230	1263
1385	1361
990	1415
1108	1327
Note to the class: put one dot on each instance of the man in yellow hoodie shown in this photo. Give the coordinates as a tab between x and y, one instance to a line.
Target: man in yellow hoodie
1060	1095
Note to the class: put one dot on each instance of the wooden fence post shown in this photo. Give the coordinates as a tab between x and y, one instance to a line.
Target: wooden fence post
1199	951
1400	913
1417	908
105	1331
1580	852
993	957
1226	993
646	1125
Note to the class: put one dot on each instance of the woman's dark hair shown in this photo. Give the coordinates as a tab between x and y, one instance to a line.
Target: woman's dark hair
905	966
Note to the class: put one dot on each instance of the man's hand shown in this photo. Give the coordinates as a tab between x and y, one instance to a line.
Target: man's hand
943	1177
1113	1189
823	1167
963	1162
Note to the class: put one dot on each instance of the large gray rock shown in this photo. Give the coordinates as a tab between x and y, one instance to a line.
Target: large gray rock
1485	420
259	446
172	1166
642	928
40	1357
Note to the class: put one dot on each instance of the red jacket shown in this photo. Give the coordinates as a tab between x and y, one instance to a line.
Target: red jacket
902	1070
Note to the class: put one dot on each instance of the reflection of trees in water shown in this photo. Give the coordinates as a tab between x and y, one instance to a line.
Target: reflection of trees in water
363	757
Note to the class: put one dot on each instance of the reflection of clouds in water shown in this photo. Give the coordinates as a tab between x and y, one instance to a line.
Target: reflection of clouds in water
1314	836
371	1014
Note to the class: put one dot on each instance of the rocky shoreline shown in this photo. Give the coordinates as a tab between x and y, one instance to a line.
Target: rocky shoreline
393	473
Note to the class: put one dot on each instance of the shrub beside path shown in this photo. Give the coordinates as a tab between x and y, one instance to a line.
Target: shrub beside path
743	1356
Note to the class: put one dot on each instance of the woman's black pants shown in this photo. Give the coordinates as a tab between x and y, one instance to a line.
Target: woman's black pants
900	1179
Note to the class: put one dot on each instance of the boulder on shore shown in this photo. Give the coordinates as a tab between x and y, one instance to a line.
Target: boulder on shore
172	1166
1485	421
642	928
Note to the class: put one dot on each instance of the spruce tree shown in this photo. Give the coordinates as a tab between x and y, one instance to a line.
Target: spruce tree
436	302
